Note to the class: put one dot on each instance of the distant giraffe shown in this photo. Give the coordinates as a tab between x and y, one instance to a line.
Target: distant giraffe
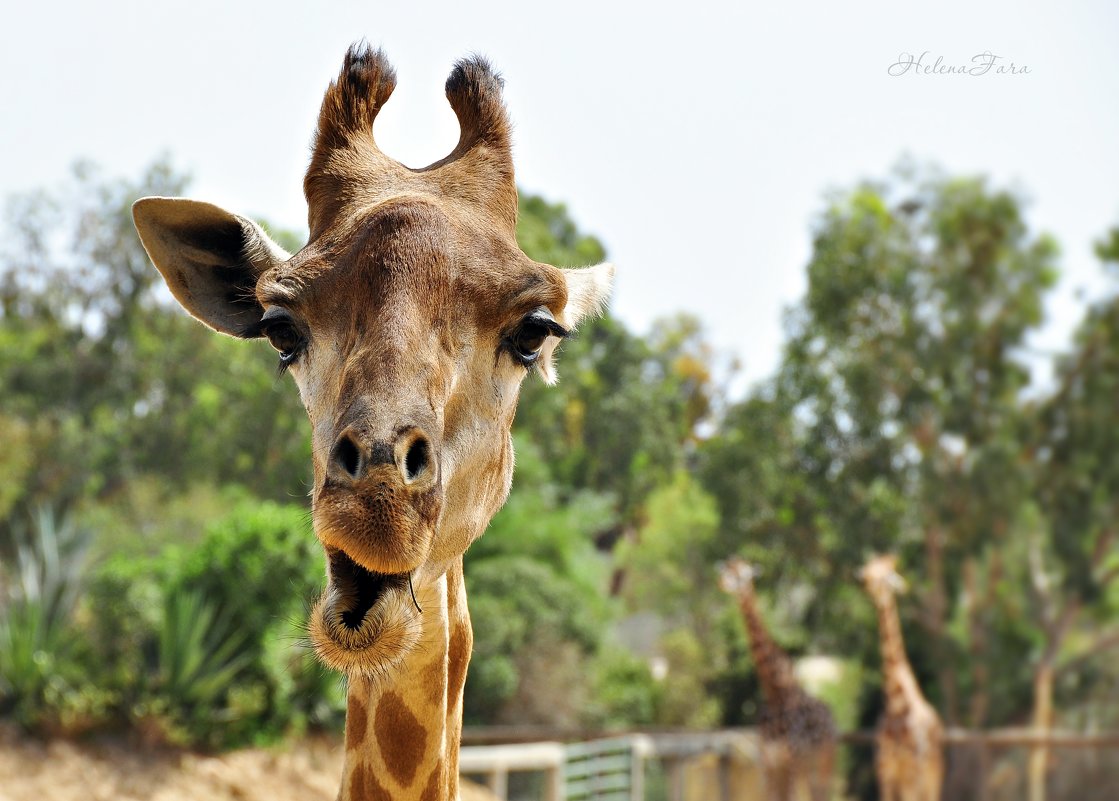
909	761
797	730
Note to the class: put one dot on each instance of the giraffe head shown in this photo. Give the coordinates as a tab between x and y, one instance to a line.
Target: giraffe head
408	321
881	578
736	576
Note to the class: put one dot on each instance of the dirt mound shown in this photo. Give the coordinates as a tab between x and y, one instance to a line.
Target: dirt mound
111	770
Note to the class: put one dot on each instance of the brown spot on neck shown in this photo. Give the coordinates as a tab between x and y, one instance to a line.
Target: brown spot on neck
434	678
365	787
458	658
356	722
436	782
401	737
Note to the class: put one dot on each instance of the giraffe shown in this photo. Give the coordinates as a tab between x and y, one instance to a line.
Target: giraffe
797	730
909	761
408	321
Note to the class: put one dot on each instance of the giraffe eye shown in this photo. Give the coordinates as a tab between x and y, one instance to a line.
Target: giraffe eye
527	340
283	334
284	338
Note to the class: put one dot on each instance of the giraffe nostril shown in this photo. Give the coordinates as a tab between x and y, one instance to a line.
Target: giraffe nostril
416	459
347	456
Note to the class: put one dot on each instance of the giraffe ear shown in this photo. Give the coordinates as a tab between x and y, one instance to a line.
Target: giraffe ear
210	259
588	289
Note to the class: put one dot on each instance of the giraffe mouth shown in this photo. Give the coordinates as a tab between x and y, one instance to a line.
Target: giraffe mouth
358	589
364	624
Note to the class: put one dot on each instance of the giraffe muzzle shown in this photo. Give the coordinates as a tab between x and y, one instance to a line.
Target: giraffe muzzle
364	618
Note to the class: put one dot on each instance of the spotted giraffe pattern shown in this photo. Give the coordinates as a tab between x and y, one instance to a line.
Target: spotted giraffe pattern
797	731
909	757
398	734
408	322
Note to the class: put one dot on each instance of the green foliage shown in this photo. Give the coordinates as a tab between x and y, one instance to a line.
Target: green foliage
546	233
625	413
255	568
895	421
538	522
200	657
42	651
671	561
685	699
625	693
307	695
109	379
525	614
898	420
258	561
199	652
31	646
536	586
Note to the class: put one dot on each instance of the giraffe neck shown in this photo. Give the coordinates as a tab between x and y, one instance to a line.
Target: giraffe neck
775	670
403	731
899	682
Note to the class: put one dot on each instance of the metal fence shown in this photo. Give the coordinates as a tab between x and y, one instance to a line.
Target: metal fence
713	766
724	765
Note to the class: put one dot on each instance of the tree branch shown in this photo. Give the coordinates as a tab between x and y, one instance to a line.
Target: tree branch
1101	645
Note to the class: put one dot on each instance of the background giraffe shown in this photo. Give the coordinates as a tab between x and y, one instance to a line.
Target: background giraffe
909	761
797	730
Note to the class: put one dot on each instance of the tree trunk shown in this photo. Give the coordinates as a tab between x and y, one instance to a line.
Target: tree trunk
978	640
1042	724
936	607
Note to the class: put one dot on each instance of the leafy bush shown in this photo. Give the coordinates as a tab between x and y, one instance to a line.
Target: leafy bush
44	680
625	692
193	645
521	608
200	654
256	568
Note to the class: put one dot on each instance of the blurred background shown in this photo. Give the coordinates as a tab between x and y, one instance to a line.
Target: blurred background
861	308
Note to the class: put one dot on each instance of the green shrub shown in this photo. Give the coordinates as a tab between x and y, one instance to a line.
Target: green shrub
309	696
197	644
521	608
625	693
200	654
44	679
223	680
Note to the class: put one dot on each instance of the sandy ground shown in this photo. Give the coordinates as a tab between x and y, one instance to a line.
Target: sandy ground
31	770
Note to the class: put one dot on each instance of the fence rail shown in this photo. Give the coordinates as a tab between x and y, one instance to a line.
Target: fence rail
581	765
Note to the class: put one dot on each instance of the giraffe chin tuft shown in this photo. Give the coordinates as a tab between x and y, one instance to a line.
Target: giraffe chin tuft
365	623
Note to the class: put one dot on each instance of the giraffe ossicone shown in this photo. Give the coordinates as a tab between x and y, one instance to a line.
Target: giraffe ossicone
408	321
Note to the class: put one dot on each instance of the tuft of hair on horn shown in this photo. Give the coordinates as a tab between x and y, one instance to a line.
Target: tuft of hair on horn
353	100
474	91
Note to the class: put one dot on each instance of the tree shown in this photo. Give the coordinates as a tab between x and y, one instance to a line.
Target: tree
104	381
895	419
1073	560
537	599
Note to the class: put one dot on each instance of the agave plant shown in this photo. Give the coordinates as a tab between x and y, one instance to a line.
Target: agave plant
199	653
50	560
37	604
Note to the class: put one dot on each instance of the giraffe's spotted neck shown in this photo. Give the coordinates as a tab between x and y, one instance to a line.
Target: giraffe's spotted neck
775	669
403	731
899	682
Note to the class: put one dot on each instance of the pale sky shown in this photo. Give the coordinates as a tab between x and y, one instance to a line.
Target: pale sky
697	141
